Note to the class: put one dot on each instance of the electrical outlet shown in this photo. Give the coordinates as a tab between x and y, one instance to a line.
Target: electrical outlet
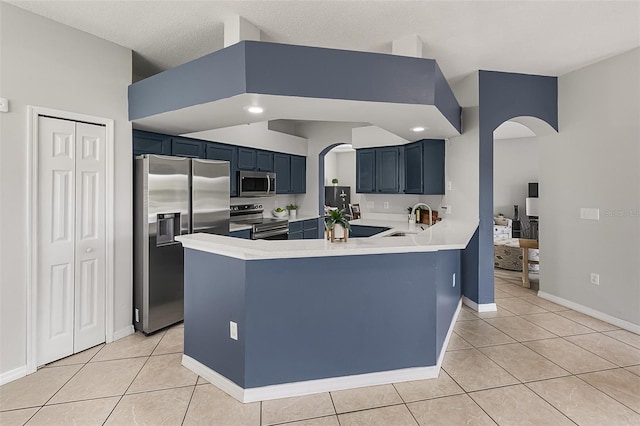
454	280
446	209
449	185
595	278
233	330
386	205
369	204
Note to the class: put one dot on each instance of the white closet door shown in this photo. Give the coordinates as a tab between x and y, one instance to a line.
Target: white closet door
71	238
90	237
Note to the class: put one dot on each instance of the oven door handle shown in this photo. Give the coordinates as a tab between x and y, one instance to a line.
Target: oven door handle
267	234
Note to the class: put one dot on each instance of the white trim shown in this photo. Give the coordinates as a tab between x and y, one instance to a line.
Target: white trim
483	307
445	344
11	375
32	219
123	332
307	387
634	328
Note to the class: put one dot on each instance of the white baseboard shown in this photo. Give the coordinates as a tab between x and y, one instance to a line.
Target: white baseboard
123	332
449	333
307	387
634	328
12	375
483	307
285	390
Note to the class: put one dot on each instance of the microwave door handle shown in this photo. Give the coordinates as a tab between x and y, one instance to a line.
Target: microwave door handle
268	185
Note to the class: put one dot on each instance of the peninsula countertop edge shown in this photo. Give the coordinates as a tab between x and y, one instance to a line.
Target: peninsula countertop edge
447	234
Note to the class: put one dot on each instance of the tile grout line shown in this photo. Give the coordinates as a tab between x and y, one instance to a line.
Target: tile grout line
134	379
193	392
605	393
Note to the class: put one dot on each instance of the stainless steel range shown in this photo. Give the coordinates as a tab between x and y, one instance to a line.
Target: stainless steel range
262	228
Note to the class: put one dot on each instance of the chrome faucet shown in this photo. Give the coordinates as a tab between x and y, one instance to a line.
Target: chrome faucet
413	212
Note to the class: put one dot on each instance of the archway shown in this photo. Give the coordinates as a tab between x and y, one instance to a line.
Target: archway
321	175
515	177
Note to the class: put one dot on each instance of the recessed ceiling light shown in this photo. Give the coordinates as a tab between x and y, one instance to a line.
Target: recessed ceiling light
417	129
255	110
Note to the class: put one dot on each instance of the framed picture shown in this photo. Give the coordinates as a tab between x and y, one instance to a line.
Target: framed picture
355	210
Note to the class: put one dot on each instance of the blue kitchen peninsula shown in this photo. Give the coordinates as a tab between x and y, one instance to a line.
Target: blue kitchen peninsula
314	316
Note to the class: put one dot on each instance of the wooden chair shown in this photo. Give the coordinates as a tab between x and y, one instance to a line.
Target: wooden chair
525	245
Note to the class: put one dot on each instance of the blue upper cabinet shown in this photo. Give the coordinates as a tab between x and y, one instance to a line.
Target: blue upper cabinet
218	151
185	147
264	161
366	170
388	170
247	159
291	173
433	157
413	166
151	143
282	167
378	170
424	167
298	174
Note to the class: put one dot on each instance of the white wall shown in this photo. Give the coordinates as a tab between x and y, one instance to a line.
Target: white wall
256	135
47	64
463	155
331	168
594	161
515	164
320	135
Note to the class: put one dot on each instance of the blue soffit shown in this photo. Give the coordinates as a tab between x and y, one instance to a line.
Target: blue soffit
300	83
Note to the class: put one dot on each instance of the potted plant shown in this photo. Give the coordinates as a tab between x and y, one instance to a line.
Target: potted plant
293	209
337	225
334	181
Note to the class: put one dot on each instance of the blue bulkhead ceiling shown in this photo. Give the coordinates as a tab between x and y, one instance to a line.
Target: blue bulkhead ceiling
252	67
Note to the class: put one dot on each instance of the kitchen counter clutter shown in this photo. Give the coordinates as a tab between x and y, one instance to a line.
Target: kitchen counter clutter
445	235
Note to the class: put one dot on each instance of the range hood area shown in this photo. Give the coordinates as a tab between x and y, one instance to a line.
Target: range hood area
290	82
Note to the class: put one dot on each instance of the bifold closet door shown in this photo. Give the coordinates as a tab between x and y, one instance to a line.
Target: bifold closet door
71	238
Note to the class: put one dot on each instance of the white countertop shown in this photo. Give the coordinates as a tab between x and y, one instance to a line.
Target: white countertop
444	235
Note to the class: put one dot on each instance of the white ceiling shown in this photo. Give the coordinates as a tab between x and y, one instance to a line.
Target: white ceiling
536	37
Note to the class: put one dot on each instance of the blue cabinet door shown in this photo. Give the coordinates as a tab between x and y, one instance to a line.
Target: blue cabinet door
243	233
264	161
433	155
310	228
298	175
282	167
388	170
360	231
413	166
218	151
184	147
151	143
366	170
246	159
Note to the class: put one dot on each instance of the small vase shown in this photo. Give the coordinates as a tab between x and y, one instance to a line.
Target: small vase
292	214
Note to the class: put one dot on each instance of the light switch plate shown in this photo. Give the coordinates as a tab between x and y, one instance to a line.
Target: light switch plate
233	330
589	213
4	105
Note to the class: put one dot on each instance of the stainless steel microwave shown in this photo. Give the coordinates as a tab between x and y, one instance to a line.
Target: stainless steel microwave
256	184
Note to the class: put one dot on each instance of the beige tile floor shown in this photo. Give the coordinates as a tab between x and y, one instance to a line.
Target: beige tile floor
532	362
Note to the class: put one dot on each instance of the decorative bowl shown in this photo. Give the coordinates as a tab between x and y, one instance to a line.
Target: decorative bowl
280	214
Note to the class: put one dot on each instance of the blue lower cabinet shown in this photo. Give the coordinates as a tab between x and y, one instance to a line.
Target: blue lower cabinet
310	229
243	233
303	229
358	231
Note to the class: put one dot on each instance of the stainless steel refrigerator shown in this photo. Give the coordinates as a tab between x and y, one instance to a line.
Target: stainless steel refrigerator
172	196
